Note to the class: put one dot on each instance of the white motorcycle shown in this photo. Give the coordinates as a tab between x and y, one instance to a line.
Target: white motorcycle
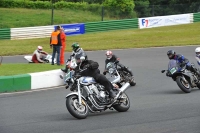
47	59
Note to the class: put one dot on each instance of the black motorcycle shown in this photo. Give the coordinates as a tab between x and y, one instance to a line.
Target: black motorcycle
184	78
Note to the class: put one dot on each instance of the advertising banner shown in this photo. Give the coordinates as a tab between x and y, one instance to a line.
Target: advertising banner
73	29
164	21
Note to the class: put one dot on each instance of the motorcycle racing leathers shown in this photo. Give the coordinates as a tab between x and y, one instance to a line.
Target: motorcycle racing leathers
184	61
91	69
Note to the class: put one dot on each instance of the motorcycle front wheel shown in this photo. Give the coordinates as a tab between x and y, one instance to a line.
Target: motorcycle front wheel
76	110
183	85
124	103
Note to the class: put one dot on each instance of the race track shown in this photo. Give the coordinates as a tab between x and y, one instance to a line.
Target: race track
157	103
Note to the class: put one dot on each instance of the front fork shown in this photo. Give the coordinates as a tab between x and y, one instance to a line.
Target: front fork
184	80
79	93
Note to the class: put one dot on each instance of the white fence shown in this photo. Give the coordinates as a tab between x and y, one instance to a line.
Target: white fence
31	32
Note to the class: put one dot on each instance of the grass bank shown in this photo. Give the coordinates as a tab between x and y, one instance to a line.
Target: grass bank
21	17
180	35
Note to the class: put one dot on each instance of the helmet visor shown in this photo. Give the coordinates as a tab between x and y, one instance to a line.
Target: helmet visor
197	53
170	56
109	56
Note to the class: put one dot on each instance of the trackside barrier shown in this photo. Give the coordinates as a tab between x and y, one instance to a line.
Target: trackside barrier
81	28
5	33
111	25
73	29
31	32
31	81
46	79
15	83
196	17
159	21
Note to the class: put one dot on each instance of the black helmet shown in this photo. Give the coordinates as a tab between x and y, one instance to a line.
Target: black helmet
171	54
75	46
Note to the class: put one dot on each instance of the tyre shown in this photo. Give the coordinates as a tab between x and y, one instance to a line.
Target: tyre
184	86
198	85
76	110
124	104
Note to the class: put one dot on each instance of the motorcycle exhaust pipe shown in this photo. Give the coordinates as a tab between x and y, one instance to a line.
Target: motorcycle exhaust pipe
124	87
121	90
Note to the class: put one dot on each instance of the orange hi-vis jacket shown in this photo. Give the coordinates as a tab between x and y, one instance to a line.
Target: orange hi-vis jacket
55	38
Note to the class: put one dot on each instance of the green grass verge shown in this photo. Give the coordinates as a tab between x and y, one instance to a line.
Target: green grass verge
21	68
21	17
180	35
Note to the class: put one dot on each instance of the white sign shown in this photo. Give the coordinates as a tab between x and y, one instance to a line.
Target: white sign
164	21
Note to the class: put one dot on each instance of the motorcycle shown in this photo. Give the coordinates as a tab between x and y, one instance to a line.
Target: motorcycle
117	70
184	78
88	96
47	59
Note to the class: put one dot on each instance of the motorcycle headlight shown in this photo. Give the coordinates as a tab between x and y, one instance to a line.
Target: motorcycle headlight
111	70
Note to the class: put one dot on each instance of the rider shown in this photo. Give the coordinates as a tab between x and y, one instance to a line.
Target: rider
39	55
76	50
91	69
197	51
182	60
113	58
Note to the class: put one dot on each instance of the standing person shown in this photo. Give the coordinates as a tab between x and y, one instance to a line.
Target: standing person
62	52
55	42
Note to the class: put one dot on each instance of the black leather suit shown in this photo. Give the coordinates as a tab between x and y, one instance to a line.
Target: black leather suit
93	71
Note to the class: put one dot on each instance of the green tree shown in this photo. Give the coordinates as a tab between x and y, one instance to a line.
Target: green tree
122	8
142	8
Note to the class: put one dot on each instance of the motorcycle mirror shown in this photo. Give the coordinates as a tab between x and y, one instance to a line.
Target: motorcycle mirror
162	71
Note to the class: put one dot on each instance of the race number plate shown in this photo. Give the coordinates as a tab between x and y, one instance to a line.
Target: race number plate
173	70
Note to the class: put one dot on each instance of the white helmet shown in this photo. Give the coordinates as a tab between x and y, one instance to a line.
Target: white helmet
197	51
109	54
39	48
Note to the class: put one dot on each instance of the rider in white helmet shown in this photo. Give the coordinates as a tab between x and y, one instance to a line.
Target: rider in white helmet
197	51
39	55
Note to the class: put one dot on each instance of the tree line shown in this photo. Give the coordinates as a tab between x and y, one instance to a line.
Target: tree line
119	9
147	8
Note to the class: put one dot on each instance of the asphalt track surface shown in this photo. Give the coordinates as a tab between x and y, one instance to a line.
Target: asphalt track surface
157	104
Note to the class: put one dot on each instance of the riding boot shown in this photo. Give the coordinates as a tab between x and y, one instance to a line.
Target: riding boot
112	94
128	70
65	69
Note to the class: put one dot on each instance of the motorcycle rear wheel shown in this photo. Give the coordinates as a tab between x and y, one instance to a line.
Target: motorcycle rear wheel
198	85
123	106
185	87
76	110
